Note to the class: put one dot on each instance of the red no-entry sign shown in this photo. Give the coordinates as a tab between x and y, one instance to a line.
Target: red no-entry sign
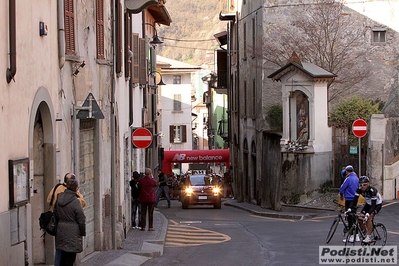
359	128
141	138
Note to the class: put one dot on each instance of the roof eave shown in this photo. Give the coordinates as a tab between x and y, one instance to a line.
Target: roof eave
160	14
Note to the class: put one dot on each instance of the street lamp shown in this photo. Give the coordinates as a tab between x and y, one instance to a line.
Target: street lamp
161	81
155	39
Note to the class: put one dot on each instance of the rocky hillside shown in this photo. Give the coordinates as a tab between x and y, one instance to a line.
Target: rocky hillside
189	38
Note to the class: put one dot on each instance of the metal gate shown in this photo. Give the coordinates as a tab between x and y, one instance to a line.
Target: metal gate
343	144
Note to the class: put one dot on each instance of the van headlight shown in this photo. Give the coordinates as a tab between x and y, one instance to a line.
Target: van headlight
189	191
216	190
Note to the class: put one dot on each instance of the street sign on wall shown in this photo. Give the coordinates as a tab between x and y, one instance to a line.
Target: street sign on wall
359	128
141	138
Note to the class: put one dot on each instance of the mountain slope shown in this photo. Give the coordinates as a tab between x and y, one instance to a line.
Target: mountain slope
189	38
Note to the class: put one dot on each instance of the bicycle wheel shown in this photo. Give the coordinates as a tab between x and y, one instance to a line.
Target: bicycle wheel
379	235
332	230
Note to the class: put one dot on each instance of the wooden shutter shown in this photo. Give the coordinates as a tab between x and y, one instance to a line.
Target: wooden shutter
69	23
183	133
221	56
153	106
118	46
100	29
171	134
143	62
136	58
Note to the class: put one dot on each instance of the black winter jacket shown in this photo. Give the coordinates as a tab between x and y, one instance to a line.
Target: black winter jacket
71	223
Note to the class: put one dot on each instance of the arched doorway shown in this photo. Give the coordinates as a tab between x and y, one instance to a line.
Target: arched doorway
42	157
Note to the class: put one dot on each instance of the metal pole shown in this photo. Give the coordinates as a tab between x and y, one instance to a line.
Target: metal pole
75	142
112	128
360	157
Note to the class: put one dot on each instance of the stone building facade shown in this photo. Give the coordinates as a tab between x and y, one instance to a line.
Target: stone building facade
249	27
59	58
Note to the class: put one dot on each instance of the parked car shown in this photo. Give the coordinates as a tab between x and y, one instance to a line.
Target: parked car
201	190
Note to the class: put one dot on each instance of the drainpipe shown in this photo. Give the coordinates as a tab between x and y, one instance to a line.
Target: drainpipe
10	73
61	34
112	127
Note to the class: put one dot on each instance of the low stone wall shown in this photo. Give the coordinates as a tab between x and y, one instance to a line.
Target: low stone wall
391	180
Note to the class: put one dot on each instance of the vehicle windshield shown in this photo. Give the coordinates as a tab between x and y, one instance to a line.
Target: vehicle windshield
199	180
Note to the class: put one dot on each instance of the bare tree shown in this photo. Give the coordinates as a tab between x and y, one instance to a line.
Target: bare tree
325	33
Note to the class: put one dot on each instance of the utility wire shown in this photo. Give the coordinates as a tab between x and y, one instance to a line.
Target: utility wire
164	38
194	48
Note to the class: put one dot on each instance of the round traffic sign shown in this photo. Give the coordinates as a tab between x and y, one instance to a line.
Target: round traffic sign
359	128
141	138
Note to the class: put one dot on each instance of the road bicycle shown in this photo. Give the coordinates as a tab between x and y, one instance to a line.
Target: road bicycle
341	218
379	233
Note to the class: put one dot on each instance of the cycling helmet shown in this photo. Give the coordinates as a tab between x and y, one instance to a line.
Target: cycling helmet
364	179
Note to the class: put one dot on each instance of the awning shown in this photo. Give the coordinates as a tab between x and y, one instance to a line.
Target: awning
136	6
221	37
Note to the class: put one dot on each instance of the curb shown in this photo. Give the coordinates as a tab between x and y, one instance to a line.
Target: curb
272	214
154	248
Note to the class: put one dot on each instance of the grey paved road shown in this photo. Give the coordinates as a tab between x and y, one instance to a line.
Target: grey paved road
204	236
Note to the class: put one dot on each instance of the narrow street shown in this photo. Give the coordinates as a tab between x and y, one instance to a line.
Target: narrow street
229	236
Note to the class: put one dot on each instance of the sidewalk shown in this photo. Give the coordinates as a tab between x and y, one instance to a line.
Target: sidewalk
140	246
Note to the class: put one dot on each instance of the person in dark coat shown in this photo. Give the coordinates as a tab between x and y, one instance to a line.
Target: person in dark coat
136	206
59	188
163	188
147	199
71	224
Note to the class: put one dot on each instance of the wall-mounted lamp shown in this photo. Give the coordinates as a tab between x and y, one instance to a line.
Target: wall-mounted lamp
76	71
160	83
155	39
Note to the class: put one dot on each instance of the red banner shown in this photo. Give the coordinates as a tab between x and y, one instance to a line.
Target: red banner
194	156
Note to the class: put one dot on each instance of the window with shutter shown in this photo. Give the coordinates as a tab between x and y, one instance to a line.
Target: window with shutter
136	57
177	134
143	62
69	24
100	28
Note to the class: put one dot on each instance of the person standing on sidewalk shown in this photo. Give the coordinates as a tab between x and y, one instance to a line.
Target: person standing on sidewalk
348	191
71	226
163	187
147	199
136	206
59	188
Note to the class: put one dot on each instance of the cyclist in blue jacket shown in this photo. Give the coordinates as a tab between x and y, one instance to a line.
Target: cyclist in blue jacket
348	191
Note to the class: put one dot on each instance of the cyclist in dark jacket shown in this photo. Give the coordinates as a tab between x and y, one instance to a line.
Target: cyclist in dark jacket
371	208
